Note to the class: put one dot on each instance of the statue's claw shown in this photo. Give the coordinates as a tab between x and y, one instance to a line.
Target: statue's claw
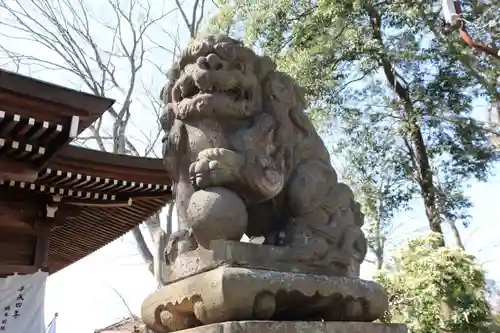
215	167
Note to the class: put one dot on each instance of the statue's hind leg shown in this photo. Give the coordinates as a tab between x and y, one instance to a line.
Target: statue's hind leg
308	187
325	219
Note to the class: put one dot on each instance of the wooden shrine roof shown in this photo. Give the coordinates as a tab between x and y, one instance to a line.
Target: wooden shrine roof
57	104
98	196
38	118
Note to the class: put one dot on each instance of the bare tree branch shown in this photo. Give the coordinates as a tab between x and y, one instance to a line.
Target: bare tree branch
107	52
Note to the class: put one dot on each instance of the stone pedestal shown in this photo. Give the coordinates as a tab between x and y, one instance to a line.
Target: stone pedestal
297	327
239	282
236	293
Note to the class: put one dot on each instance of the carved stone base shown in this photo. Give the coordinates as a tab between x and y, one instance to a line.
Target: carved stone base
249	255
298	327
235	293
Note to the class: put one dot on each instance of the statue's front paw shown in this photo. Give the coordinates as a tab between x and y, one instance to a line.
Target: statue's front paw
216	167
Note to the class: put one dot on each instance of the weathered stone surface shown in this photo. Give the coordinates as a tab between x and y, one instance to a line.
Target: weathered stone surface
297	327
236	293
234	253
232	120
245	158
210	218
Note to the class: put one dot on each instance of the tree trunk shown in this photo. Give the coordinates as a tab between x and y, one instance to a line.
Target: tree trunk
416	146
456	235
425	180
143	249
494	119
379	244
160	245
379	259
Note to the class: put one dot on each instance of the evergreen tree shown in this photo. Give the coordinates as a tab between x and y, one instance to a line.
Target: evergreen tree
401	88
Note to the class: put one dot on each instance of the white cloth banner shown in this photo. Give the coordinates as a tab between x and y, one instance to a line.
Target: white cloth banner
22	303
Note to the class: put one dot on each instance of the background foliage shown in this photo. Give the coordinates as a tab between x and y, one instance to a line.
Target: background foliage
422	275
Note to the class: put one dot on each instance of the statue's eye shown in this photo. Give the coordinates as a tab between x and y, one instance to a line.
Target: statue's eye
226	51
199	49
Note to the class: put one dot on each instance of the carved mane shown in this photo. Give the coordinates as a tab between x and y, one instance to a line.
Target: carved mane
294	131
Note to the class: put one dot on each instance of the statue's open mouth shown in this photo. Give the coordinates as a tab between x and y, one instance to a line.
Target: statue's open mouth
236	93
195	81
222	92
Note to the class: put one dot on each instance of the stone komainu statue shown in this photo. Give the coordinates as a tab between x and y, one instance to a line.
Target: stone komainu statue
232	120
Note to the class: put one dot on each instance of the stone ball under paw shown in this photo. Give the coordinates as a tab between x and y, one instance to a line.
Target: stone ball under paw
217	213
